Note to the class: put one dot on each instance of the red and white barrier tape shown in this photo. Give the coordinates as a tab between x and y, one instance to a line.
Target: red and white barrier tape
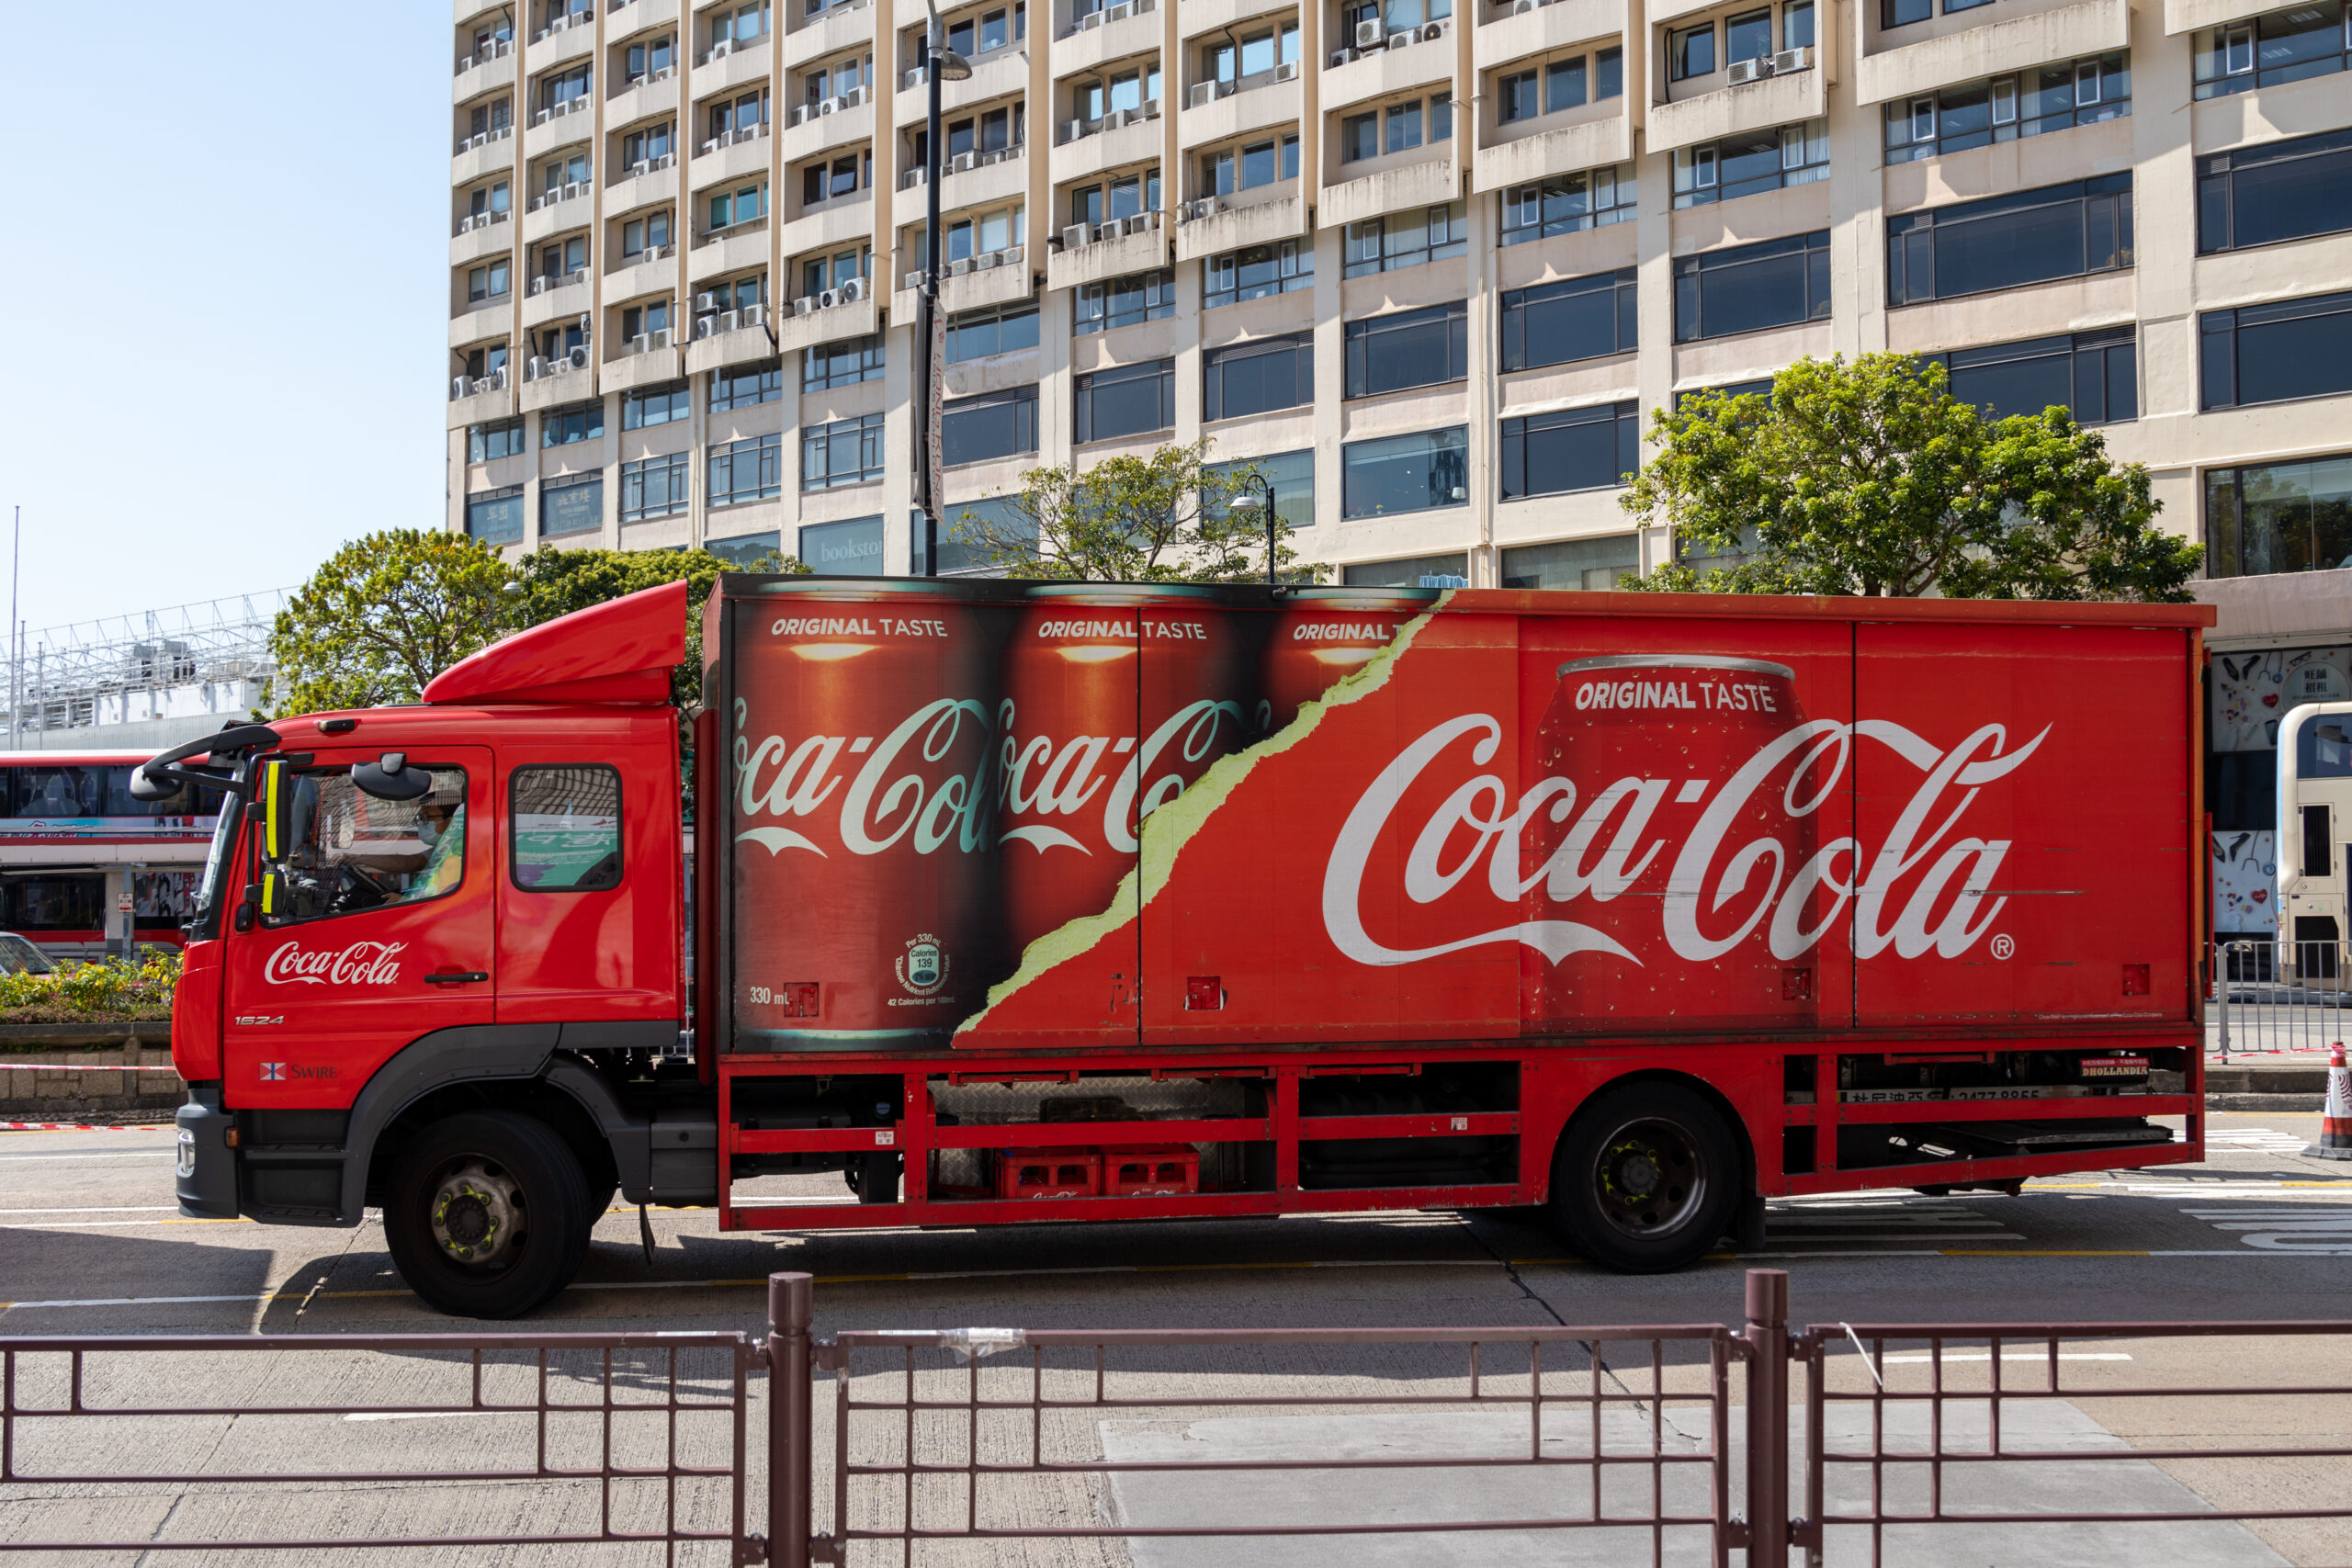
80	1067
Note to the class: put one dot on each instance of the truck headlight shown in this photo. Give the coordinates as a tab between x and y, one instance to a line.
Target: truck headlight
187	1152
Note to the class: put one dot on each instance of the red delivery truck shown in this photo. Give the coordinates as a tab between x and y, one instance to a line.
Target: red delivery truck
1062	902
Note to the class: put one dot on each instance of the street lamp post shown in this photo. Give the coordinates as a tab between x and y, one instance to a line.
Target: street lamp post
940	67
1248	501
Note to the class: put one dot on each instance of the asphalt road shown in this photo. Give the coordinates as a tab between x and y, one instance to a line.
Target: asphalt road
90	1243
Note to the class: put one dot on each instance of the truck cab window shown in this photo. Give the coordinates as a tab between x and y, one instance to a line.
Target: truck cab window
339	851
567	828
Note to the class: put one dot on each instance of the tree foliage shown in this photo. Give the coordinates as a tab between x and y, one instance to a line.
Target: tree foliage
387	613
1166	517
1870	479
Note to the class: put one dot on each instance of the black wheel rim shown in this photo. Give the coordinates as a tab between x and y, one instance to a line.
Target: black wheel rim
1650	1178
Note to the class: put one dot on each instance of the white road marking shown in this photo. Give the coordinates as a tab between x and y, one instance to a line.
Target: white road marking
2253	1140
1950	1355
447	1415
99	1154
119	1225
2310	1228
123	1209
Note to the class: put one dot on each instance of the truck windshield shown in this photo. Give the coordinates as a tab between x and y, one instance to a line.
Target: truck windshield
205	922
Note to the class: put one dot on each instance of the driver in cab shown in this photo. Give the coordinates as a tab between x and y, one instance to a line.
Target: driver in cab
441	827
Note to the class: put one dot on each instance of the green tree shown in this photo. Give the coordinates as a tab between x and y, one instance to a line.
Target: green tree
383	617
1870	479
1163	518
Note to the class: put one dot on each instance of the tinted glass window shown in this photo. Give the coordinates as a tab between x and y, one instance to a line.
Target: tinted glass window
1589	564
54	793
1420	571
56	903
574	505
1588	449
1405	473
999	424
495	516
2279	517
1409	348
1578	317
848	452
1129	401
1747	287
744	551
2007	242
1292	476
344	851
567	828
850	548
1255	378
2094	376
2274	354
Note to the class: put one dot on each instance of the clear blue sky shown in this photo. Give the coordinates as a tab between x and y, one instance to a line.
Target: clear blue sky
227	256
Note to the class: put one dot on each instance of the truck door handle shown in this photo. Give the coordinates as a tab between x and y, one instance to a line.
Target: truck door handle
457	977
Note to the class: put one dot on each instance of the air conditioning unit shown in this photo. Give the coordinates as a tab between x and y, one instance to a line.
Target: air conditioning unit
1120	12
1151	108
1797	59
465	65
1405	39
729	320
1072	129
458	389
1340	57
641	343
704	302
1117	119
1076	236
642	166
914	280
705	326
1091	19
1432	32
754	315
804	305
958	268
911	80
985	261
1286	72
963	163
1011	255
854	97
1520	8
722	48
575	189
801	111
1202	93
853	290
1748	70
829	298
578	357
827	106
660	339
1371	33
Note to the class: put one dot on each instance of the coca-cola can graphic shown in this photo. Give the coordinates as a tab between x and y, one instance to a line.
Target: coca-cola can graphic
1115	699
1321	636
1681	827
861	806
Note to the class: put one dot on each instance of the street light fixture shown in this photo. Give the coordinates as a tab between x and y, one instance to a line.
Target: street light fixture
1250	500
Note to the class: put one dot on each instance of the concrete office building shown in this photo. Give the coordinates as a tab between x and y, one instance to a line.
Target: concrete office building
1435	265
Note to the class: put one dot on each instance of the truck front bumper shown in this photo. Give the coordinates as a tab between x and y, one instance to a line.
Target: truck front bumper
207	1165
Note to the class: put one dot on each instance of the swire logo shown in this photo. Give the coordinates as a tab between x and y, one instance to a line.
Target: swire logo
1712	894
361	964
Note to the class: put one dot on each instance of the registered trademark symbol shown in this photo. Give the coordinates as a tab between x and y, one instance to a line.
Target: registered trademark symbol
2005	946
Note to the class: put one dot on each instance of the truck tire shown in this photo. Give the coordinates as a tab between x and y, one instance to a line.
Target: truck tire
1645	1179
485	1215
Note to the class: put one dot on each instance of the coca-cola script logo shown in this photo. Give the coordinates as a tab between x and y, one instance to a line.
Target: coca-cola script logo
361	964
1040	778
911	786
1715	894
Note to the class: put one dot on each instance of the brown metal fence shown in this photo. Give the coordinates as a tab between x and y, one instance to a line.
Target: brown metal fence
172	1443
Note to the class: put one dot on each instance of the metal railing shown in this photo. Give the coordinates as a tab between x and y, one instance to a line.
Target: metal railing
2278	996
102	1429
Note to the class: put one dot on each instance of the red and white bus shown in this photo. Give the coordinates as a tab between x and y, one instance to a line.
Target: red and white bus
86	869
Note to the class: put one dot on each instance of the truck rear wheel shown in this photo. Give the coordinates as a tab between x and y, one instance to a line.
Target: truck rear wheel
1645	1179
485	1215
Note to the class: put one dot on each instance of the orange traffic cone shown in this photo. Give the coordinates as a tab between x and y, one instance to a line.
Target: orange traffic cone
2335	1122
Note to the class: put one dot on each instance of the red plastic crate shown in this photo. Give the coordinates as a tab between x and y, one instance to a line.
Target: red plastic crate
1158	1171
1050	1173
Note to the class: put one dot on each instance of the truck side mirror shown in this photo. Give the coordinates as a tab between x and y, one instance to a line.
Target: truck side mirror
390	778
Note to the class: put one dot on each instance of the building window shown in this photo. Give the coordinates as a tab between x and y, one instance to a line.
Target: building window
2001	108
1252	56
644	321
487	441
563	86
1124	301
742	116
1292	476
997	329
821	181
990	231
1690	51
1560	85
820	273
655	487
1408	348
2277	354
2285	46
1131	400
1247	167
847	453
568	426
2281	191
1746	288
487	283
2007	242
995	424
650	55
1565	204
649	406
1093	97
495	516
729	208
646	148
745	552
1383	245
1257	271
1420	571
1591	565
745	472
1588	449
1760	387
844	363
2279	517
2093	376
735	294
574	505
1258	377
1360	137
849	549
746	385
1577	318
1122	196
1750	163
950	548
1395	474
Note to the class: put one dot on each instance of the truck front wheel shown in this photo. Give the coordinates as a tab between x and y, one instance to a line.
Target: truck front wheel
485	1215
1645	1179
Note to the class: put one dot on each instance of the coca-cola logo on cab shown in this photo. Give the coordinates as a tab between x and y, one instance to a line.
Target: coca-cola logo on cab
1925	887
361	964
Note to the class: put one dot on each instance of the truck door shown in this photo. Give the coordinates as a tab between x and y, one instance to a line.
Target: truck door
371	925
